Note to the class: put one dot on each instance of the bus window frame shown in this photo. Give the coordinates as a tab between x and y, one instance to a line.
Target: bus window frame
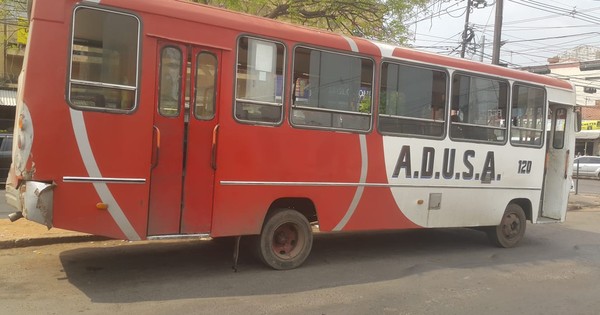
136	88
235	98
555	130
507	111
446	123
215	83
544	115
182	81
338	52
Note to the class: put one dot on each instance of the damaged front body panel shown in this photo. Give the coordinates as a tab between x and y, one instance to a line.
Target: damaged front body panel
36	202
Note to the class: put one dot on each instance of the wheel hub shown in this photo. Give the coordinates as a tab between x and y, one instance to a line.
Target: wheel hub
285	241
511	226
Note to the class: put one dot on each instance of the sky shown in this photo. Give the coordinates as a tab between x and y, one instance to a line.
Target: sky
532	30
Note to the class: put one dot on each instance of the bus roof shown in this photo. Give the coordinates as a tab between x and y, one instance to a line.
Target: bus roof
242	22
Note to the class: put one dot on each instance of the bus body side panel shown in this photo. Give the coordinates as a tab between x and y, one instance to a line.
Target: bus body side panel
266	163
83	144
377	208
259	164
450	184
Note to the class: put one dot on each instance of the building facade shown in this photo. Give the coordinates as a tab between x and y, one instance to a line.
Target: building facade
581	66
13	33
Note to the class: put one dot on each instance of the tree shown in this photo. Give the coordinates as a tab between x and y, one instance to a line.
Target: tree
374	19
13	37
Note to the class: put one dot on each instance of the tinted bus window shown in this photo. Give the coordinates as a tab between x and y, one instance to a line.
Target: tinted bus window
206	79
560	121
331	90
104	60
527	116
412	100
171	62
478	109
259	84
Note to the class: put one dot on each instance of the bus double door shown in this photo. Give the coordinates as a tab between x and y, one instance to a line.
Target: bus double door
555	192
185	127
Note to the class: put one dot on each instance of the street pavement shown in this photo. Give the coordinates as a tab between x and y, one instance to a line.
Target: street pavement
22	233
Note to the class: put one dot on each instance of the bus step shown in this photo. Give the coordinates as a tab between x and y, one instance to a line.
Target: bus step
544	220
179	237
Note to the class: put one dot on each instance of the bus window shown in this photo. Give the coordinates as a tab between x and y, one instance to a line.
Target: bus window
478	109
412	101
104	60
560	121
170	82
331	90
259	83
527	116
206	79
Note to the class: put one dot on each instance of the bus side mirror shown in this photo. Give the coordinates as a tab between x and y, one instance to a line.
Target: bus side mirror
578	121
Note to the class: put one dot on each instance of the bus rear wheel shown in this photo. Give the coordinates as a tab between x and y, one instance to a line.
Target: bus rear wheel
511	229
285	240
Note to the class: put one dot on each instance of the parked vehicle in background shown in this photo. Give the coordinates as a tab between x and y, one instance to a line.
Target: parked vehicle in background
5	155
589	166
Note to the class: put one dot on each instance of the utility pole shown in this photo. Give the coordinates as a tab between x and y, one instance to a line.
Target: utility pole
465	34
482	48
497	32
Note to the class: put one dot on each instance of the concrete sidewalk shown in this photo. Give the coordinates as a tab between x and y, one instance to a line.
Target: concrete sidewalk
580	201
24	233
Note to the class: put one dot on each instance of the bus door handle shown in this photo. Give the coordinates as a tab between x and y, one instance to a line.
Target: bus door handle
213	156
155	146
567	163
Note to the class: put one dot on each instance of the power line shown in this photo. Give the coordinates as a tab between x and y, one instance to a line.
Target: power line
510	28
435	15
551	9
572	12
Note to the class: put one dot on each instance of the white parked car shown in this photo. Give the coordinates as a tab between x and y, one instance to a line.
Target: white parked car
589	166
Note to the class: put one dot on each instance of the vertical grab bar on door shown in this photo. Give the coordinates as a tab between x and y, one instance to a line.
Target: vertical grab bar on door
213	156
155	146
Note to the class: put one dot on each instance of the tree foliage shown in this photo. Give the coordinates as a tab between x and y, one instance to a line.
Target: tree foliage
375	19
13	14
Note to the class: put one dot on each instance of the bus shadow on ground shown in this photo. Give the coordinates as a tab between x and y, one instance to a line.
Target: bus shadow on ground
158	271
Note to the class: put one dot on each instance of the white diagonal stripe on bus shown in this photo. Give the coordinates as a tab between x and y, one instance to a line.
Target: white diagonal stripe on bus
85	150
352	43
360	189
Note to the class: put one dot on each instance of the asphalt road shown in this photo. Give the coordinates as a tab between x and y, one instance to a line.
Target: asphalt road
588	186
555	270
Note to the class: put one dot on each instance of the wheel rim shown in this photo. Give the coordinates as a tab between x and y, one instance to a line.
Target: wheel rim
287	241
511	226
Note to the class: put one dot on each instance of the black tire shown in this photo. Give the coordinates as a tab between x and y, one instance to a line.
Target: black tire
286	239
511	229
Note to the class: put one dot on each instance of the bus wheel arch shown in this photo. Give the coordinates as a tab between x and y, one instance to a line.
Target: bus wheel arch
511	229
303	205
525	204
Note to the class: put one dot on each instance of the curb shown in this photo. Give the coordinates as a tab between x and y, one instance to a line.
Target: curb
27	242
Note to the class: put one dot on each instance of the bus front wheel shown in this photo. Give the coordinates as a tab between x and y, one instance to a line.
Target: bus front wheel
285	240
511	229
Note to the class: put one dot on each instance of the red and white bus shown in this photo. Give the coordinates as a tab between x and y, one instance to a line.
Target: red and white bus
150	119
